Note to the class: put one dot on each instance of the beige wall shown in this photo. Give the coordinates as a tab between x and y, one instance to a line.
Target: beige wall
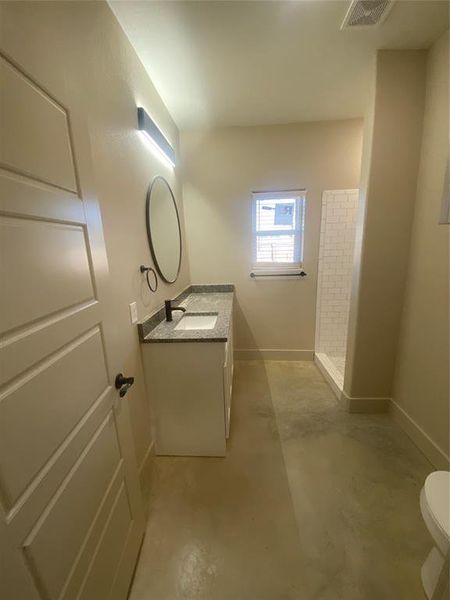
84	41
359	232
387	197
221	168
421	384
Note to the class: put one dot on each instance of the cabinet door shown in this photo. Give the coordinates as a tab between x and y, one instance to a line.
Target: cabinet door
228	381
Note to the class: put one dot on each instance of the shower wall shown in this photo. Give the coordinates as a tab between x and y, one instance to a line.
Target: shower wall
337	238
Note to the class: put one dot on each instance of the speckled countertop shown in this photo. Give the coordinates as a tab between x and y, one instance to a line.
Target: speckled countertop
212	299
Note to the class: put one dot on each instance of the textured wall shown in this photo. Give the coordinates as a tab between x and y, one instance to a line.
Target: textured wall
221	168
421	385
387	204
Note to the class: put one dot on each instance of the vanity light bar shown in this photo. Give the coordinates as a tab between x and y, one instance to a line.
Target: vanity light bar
155	135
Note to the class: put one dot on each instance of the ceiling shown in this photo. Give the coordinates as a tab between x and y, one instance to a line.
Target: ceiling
227	63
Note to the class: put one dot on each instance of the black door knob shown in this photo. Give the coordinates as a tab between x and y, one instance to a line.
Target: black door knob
123	384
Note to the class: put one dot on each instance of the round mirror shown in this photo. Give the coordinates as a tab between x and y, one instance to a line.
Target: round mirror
163	229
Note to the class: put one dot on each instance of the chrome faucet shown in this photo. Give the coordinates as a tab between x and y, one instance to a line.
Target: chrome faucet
169	309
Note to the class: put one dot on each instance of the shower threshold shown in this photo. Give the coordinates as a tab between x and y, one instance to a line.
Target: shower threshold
333	375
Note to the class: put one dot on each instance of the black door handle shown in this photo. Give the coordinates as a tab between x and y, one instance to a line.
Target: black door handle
123	384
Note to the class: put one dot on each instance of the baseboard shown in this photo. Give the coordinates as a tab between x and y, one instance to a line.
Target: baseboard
145	472
365	405
418	436
422	440
266	354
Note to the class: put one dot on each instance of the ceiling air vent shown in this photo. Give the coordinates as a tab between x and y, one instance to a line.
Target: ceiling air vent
367	13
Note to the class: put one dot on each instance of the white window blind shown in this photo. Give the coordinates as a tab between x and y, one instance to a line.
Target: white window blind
278	228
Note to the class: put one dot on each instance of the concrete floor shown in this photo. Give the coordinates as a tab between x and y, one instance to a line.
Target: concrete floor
310	503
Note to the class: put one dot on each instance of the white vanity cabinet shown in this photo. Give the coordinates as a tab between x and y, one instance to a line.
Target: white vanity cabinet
189	384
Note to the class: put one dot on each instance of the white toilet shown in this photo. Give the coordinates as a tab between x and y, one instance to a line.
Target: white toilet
435	507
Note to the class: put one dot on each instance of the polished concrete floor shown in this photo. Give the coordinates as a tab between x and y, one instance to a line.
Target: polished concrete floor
310	503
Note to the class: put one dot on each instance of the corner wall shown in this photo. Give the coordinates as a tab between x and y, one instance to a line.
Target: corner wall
421	383
387	199
221	168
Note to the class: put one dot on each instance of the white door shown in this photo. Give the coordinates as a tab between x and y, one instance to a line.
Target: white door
71	519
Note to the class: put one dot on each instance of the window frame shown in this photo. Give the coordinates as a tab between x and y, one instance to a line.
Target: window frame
280	268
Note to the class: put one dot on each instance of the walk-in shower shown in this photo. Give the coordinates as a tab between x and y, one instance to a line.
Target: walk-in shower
337	241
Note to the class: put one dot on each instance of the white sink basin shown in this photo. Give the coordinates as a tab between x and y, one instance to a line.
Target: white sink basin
189	322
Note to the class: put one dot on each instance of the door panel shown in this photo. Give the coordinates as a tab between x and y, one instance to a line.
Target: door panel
35	132
20	351
110	549
71	516
45	269
25	196
54	397
25	513
92	548
57	537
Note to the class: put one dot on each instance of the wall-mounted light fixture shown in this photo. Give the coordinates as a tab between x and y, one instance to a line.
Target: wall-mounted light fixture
153	133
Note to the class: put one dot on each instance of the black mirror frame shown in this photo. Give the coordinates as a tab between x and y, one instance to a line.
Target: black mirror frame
149	235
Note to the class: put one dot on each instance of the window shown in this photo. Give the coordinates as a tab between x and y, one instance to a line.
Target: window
278	225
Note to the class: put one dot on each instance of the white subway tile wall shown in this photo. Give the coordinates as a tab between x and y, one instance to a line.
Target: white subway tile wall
337	240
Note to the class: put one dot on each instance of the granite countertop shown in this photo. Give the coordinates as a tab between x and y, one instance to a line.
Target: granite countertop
205	299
